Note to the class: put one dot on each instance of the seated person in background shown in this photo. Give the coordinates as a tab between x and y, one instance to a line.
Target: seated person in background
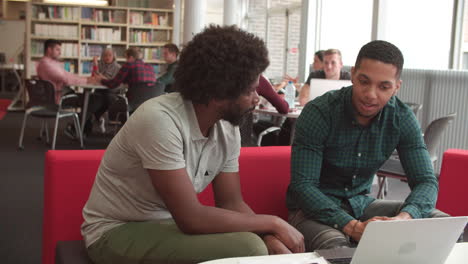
317	65
342	138
266	90
51	69
332	65
143	206
107	68
170	54
133	72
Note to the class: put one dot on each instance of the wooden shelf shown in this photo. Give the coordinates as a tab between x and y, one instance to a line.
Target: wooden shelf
37	56
89	41
91	58
150	44
150	27
55	21
77	21
105	24
54	37
155	61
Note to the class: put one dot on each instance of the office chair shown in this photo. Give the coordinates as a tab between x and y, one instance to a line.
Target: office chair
393	168
415	107
140	92
42	105
126	104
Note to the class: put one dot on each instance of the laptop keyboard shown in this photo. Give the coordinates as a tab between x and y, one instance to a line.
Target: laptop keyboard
340	261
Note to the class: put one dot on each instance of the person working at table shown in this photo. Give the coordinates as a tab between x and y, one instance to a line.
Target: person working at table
50	68
134	72
342	138
170	54
332	70
107	68
143	206
317	65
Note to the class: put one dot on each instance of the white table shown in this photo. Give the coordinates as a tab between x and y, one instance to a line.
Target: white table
18	102
459	255
293	115
87	89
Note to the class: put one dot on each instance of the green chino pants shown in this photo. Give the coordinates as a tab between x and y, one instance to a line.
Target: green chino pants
163	242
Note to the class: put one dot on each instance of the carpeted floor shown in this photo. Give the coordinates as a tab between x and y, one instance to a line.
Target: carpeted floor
4	103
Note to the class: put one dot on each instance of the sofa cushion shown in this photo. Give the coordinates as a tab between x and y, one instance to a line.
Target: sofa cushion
71	252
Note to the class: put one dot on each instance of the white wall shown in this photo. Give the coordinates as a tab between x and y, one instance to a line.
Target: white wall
12	38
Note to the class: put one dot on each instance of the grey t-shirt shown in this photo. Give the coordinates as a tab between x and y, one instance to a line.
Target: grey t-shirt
162	134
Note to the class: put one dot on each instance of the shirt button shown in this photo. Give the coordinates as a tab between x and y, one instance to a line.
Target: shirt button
359	154
354	176
346	189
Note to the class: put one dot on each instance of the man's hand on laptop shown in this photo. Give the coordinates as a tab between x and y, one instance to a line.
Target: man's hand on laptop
401	216
355	228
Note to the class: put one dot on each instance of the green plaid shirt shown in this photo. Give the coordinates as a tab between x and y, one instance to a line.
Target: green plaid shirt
334	159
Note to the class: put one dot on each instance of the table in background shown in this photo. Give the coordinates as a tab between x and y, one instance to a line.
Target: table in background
292	115
459	255
18	102
87	89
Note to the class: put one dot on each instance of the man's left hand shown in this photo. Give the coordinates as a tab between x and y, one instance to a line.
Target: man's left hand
275	246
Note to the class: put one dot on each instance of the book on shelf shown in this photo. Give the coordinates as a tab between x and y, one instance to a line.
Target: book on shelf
68	49
55	12
103	15
91	50
53	30
101	34
147	36
148	18
69	66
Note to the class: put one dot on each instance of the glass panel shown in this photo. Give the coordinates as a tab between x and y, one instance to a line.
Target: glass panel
347	26
421	29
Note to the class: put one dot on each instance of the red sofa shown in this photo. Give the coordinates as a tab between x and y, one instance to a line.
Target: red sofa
69	176
453	183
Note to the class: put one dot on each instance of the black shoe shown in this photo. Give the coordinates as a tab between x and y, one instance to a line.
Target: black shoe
70	132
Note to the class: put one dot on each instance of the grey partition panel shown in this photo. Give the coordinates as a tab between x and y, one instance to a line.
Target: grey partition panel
441	92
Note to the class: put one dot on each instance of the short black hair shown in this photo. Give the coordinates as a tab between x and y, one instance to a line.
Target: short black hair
220	63
319	54
382	51
51	43
172	48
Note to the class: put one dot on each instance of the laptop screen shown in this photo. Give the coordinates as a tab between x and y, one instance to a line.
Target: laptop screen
320	86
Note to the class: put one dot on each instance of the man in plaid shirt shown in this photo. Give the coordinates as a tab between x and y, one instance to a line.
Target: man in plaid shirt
133	72
342	138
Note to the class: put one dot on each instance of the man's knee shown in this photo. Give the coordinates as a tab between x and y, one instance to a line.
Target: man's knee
247	244
327	239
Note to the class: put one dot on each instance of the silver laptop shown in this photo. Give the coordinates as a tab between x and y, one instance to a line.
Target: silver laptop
417	241
321	86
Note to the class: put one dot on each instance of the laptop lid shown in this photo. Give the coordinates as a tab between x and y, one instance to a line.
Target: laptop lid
320	86
416	241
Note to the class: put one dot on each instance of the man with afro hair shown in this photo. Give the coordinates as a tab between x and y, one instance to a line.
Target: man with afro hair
143	207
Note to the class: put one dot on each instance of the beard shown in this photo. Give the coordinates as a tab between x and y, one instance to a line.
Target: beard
235	115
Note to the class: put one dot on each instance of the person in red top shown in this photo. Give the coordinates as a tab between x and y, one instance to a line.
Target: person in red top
132	72
266	90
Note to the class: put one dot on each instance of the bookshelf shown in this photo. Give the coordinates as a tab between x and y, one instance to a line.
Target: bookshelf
85	31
